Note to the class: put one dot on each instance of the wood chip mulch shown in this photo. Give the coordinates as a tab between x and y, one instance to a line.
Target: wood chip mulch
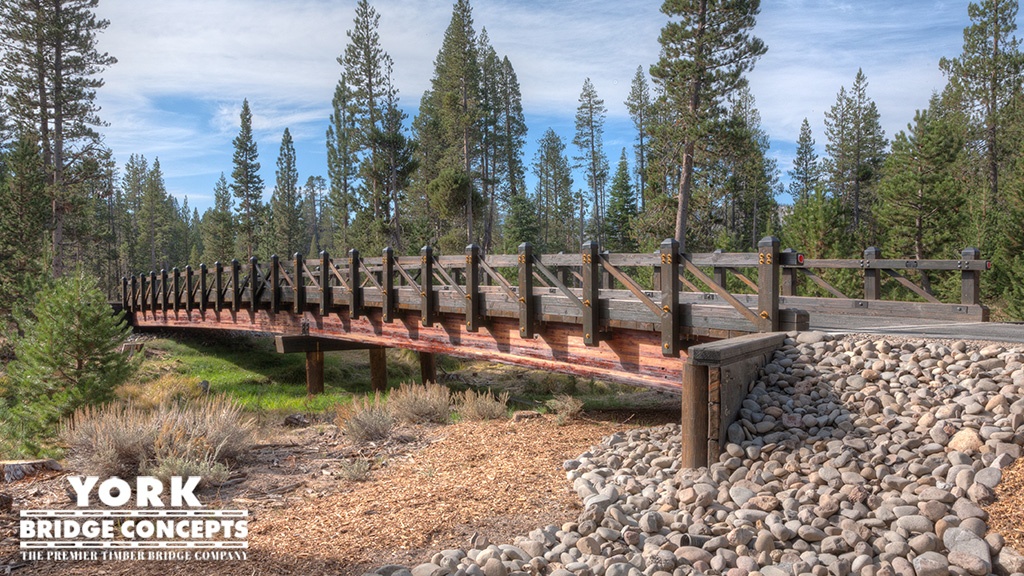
498	479
1006	514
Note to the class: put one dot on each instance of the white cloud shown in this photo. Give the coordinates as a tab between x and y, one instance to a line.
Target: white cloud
185	66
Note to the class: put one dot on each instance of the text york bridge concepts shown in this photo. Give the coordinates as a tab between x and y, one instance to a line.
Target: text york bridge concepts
114	520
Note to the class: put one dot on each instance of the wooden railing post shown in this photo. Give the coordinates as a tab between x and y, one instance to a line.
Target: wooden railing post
668	276
204	299
427	286
527	313
125	304
135	293
325	283
872	276
275	284
255	285
218	286
190	280
387	285
163	291
299	287
694	418
236	288
176	288
790	277
768	284
472	288
720	274
355	301
591	272
970	280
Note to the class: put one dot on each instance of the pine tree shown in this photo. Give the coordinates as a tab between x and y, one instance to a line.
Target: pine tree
247	184
155	217
22	222
622	210
342	147
217	228
751	177
70	357
556	203
704	56
447	128
919	196
806	172
285	228
856	150
50	68
640	107
589	140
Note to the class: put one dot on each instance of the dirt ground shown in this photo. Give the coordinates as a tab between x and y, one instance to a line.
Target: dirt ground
431	488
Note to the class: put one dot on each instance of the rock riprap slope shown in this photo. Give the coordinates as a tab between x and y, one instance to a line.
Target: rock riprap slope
850	456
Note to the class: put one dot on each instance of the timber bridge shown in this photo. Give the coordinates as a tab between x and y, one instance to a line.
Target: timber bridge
639	319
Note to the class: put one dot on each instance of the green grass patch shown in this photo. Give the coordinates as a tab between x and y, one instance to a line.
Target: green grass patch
249	370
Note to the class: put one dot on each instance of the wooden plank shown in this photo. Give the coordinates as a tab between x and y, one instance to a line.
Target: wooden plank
909	264
872	276
527	309
299	286
721	292
355	302
906	283
728	351
591	271
768	284
427	308
387	288
823	284
670	317
290	344
632	286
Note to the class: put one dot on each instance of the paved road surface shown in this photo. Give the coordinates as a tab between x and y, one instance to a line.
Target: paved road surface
995	331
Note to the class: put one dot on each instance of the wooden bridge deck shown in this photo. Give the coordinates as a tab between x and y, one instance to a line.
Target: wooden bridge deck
592	314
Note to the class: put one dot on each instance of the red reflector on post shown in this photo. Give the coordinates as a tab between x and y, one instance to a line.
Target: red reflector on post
800	258
988	264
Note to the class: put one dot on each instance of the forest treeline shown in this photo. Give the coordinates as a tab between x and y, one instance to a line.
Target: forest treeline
455	173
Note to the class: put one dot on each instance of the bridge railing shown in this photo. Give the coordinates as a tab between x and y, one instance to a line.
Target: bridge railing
594	291
679	295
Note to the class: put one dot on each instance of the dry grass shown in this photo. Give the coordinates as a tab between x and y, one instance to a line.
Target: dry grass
194	438
481	406
167	389
365	420
357	470
416	403
565	407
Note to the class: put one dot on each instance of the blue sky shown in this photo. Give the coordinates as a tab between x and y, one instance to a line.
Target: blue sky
186	65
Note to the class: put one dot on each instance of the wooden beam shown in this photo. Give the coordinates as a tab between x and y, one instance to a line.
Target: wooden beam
472	288
314	372
591	270
669	276
427	286
527	310
428	367
387	287
694	418
768	284
378	369
292	344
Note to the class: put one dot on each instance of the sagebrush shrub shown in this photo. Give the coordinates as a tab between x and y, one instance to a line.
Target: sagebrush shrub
481	406
167	389
565	406
421	403
199	438
366	420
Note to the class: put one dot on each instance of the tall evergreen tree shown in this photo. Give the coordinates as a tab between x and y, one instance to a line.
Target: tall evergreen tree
856	150
247	184
557	204
622	210
51	70
342	168
589	140
22	222
640	106
919	196
286	228
806	172
447	127
751	177
704	56
217	229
